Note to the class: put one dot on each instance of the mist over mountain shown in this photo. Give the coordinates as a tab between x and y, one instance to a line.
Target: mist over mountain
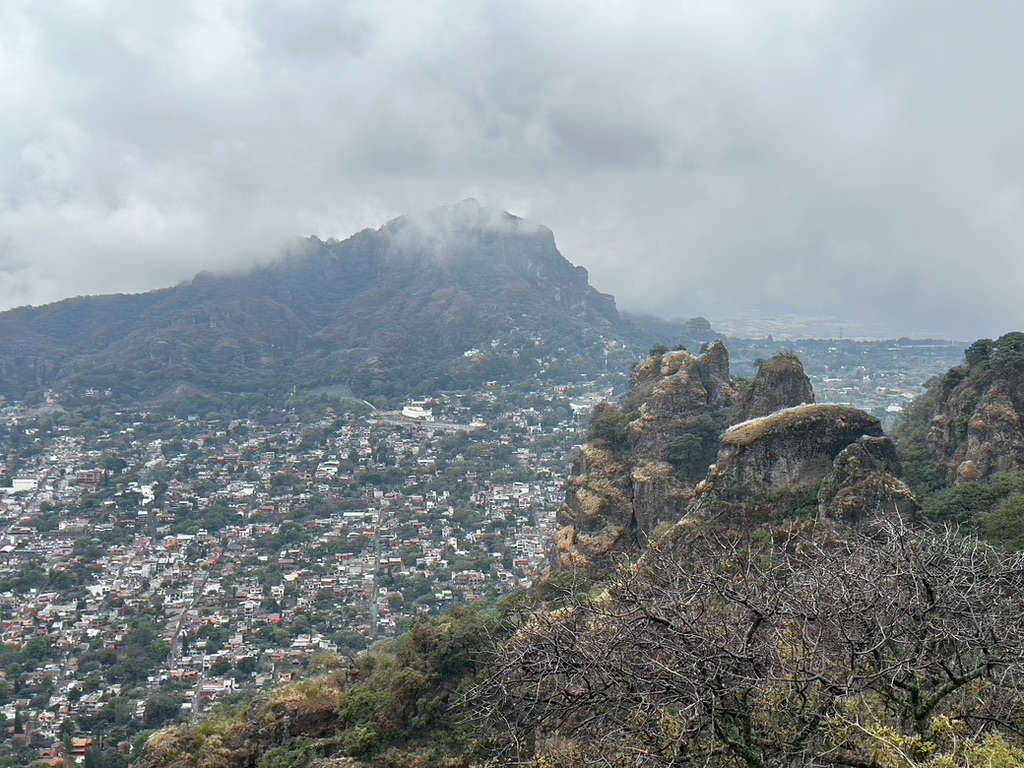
858	160
457	295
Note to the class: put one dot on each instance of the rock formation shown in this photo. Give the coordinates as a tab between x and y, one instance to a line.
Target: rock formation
646	454
671	391
779	383
699	329
971	421
807	459
864	481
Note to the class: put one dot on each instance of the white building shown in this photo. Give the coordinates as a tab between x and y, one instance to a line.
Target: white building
418	409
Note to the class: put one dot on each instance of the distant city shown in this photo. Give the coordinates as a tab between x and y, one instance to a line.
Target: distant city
788	326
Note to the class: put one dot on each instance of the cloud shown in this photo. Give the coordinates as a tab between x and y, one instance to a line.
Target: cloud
863	160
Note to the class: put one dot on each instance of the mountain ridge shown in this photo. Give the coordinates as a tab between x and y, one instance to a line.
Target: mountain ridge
421	291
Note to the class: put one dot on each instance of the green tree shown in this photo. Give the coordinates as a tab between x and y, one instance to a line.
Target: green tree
160	708
610	426
1005	524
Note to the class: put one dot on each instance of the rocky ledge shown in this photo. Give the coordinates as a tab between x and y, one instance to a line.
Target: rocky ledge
804	460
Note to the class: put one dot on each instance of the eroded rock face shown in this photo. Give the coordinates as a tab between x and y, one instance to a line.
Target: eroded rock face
971	421
780	383
879	494
864	482
671	392
598	508
775	465
622	484
866	455
976	432
656	446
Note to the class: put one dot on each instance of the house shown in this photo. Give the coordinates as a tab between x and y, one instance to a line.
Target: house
80	745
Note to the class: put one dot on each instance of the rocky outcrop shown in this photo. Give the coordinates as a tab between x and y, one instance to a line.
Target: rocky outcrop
864	456
801	460
598	508
780	383
647	454
971	421
308	710
699	329
879	494
864	481
623	482
670	392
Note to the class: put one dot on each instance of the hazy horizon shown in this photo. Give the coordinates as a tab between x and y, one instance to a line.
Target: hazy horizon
857	163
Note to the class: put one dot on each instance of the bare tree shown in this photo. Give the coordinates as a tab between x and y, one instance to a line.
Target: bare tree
803	646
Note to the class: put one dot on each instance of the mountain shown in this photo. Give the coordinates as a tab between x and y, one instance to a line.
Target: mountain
451	297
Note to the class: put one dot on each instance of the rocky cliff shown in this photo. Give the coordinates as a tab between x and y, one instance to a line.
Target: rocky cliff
865	481
970	422
647	453
780	383
669	393
808	459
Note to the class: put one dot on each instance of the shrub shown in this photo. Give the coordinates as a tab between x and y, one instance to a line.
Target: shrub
720	650
994	509
361	741
1005	524
610	426
291	755
360	704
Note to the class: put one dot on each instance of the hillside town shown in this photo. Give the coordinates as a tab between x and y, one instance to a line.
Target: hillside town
154	567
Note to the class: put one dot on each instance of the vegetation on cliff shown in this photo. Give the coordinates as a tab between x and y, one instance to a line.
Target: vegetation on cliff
391	707
799	419
402	704
994	510
969	425
804	644
961	443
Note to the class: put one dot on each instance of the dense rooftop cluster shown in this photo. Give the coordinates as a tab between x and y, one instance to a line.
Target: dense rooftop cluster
154	566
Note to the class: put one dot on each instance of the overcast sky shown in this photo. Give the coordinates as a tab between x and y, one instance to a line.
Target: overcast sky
862	160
